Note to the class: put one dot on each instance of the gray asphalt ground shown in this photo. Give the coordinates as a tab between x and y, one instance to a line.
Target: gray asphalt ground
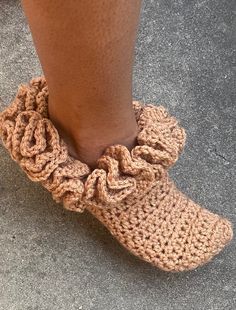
56	260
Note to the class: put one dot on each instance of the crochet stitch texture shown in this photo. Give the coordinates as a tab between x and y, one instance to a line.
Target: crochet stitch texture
130	192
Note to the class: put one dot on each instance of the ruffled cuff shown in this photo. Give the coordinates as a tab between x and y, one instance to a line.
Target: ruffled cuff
34	143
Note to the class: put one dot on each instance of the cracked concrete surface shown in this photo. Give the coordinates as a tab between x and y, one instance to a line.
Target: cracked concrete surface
54	259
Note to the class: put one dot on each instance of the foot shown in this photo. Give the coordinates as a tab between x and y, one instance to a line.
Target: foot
130	192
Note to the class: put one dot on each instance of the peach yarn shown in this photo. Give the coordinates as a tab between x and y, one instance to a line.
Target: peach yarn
130	192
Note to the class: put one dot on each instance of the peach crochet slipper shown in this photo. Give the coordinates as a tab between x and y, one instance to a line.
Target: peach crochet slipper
130	192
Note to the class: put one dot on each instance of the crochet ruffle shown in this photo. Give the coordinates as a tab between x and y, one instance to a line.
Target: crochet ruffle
35	144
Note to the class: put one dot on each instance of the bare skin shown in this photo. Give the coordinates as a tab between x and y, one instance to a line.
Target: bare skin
86	49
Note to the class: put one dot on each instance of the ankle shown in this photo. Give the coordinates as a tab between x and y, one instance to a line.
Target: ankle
90	150
88	144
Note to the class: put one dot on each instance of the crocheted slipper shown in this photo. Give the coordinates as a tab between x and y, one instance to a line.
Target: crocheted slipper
130	192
